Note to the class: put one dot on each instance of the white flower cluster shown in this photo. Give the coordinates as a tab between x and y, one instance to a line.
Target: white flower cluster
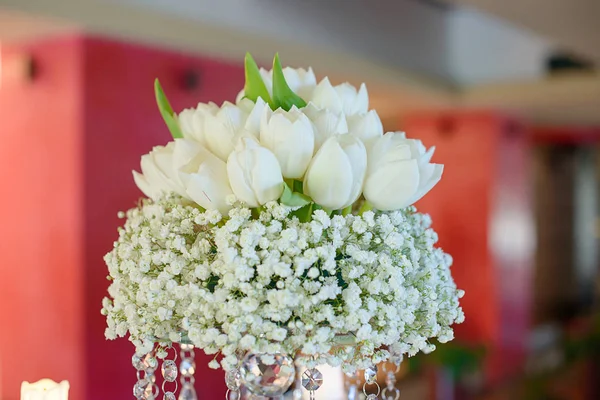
332	151
261	280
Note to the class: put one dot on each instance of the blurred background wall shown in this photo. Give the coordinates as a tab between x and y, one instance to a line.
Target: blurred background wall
507	91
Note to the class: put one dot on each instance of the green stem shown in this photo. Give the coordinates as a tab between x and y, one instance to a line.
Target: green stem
298	186
366	206
290	183
347	210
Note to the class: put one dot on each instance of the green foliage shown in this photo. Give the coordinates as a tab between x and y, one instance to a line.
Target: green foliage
167	111
255	86
283	96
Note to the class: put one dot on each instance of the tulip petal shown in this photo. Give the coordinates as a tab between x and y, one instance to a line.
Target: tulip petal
393	188
328	179
239	179
153	174
357	156
367	127
267	180
209	187
426	186
325	123
145	187
325	96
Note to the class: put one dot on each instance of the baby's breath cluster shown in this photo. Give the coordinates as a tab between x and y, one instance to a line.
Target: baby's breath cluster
261	280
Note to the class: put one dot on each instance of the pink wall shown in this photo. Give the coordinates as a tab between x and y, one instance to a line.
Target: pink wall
41	209
478	208
70	140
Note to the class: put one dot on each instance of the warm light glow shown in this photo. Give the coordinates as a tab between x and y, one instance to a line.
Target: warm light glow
45	389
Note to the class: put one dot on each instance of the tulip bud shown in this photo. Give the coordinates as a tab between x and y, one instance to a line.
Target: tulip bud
399	172
325	123
341	98
335	176
225	126
254	173
191	121
160	168
289	135
205	181
367	127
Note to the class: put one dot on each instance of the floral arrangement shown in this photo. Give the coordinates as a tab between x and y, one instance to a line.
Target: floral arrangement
283	223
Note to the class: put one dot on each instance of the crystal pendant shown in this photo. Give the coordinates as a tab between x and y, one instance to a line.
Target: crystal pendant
187	367
146	362
232	379
372	397
169	370
312	379
396	359
140	388
169	396
267	375
188	393
371	374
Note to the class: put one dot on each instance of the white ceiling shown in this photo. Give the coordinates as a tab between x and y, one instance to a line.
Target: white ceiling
573	24
411	55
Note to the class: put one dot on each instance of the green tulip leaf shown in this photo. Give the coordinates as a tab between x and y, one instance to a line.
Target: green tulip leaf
255	86
293	199
167	111
283	96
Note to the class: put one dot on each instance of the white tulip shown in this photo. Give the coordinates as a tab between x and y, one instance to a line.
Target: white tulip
224	126
301	81
254	173
341	98
289	135
160	168
399	172
325	123
206	182
336	174
367	127
255	112
191	121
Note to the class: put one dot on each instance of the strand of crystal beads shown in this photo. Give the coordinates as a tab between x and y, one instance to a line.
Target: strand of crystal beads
371	379
390	392
232	380
352	382
312	379
187	368
169	374
145	388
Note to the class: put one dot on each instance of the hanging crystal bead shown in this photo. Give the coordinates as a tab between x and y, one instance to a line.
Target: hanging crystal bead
390	392
267	375
188	392
312	379
352	383
139	389
232	380
371	379
371	374
187	368
145	388
168	370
